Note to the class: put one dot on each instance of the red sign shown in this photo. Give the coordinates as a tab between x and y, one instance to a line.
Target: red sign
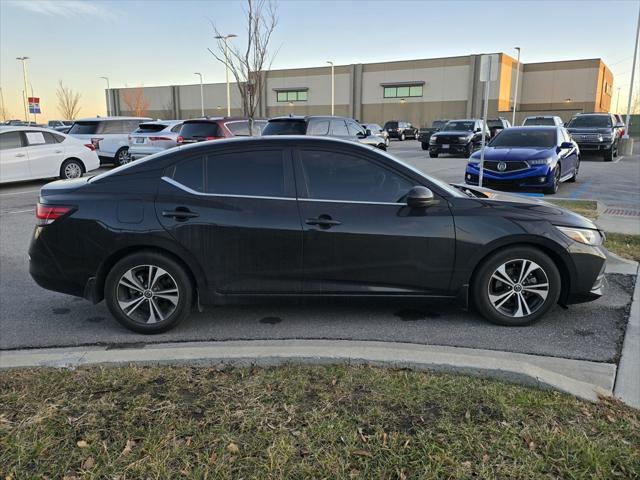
34	104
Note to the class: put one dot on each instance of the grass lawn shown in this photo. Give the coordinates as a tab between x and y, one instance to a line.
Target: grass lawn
586	208
328	422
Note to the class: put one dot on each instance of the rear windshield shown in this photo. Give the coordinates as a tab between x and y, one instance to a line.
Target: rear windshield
199	129
539	121
459	126
591	121
84	128
494	123
529	138
285	127
389	125
150	128
241	128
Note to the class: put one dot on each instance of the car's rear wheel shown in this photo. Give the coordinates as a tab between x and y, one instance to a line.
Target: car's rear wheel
71	168
122	157
516	286
148	292
555	183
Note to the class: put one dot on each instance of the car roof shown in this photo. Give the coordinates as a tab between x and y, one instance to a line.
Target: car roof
538	127
304	118
21	128
102	119
162	122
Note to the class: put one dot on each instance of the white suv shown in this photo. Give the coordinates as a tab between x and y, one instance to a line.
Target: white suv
110	136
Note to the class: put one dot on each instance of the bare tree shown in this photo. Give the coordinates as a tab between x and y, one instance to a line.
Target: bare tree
249	64
136	101
68	102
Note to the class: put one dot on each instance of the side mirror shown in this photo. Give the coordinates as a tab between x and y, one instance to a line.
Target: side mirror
361	135
368	132
420	197
566	145
477	130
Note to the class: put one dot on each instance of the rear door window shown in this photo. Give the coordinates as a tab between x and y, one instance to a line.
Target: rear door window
239	129
190	173
319	127
35	138
113	127
339	128
10	140
84	128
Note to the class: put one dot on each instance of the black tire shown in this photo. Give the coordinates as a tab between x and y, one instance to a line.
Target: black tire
608	155
553	189
433	155
403	137
116	292
71	168
122	157
469	150
425	146
382	146
485	282
576	172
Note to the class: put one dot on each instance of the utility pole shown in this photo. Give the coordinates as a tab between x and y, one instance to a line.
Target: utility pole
633	73
488	74
618	100
333	87
515	93
108	98
226	38
201	94
26	91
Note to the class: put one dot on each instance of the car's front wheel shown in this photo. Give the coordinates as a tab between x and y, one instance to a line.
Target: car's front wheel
516	286
555	182
425	146
71	168
402	137
148	292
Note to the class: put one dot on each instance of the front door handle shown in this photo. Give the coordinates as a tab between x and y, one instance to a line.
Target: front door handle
322	221
20	155
180	213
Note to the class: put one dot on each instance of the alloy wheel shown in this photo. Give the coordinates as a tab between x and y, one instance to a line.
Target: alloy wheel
518	288
124	157
147	294
72	170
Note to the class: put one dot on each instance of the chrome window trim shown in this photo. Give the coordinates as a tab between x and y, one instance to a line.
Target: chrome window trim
360	202
182	187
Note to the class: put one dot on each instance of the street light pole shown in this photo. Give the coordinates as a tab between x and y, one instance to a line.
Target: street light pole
633	73
226	38
515	93
26	91
201	94
108	98
618	100
333	87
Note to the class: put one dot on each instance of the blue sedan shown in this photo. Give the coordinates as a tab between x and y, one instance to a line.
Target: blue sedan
527	158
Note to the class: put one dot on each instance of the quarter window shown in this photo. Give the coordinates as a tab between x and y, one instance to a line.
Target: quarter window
255	173
10	140
337	176
291	96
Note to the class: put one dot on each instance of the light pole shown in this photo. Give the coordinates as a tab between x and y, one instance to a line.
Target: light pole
515	94
633	73
34	110
108	97
226	38
26	91
201	94
618	100
333	87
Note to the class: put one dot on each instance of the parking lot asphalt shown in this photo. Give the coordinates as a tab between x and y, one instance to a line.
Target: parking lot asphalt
33	317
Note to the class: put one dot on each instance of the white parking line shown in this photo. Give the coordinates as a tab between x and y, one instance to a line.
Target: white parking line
24	192
31	210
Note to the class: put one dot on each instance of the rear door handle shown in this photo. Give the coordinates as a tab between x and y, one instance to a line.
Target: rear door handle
323	221
180	213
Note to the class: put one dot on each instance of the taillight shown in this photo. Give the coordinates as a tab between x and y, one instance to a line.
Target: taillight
157	139
47	214
90	146
180	139
96	143
211	138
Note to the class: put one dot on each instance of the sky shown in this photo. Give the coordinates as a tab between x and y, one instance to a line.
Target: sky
160	42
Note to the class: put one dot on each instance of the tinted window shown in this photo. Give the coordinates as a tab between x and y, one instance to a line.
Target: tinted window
285	127
150	128
494	123
241	128
257	173
539	121
200	130
460	126
114	127
176	128
339	128
526	137
337	176
319	127
190	174
591	121
392	125
84	128
52	137
354	129
10	140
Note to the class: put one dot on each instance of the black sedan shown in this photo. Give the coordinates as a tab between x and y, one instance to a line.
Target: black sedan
226	221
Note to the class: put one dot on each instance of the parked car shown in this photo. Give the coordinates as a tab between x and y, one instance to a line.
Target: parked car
458	136
543	120
376	129
496	125
29	153
401	130
109	135
216	128
306	216
60	125
526	158
620	121
596	132
153	137
424	134
329	126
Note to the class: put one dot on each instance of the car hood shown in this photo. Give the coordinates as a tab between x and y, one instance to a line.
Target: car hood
514	153
530	206
589	130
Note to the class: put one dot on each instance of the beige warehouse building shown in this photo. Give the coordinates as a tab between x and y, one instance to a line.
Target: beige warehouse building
418	91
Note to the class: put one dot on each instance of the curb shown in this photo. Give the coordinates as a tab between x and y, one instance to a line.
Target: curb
584	379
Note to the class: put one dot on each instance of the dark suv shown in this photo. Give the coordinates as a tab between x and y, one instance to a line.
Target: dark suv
596	132
424	134
458	136
215	128
400	130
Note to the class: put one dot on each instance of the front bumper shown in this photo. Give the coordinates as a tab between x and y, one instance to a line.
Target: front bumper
452	148
589	281
534	177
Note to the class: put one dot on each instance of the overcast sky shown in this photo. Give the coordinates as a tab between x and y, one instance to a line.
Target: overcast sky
157	42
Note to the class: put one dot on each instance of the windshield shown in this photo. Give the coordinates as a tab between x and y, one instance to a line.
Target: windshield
591	121
285	127
539	121
525	138
459	126
84	128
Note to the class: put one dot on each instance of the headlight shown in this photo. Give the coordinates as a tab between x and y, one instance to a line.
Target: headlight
432	140
540	161
464	139
582	235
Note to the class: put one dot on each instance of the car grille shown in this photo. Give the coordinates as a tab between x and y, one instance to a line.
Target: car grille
447	140
510	166
586	137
